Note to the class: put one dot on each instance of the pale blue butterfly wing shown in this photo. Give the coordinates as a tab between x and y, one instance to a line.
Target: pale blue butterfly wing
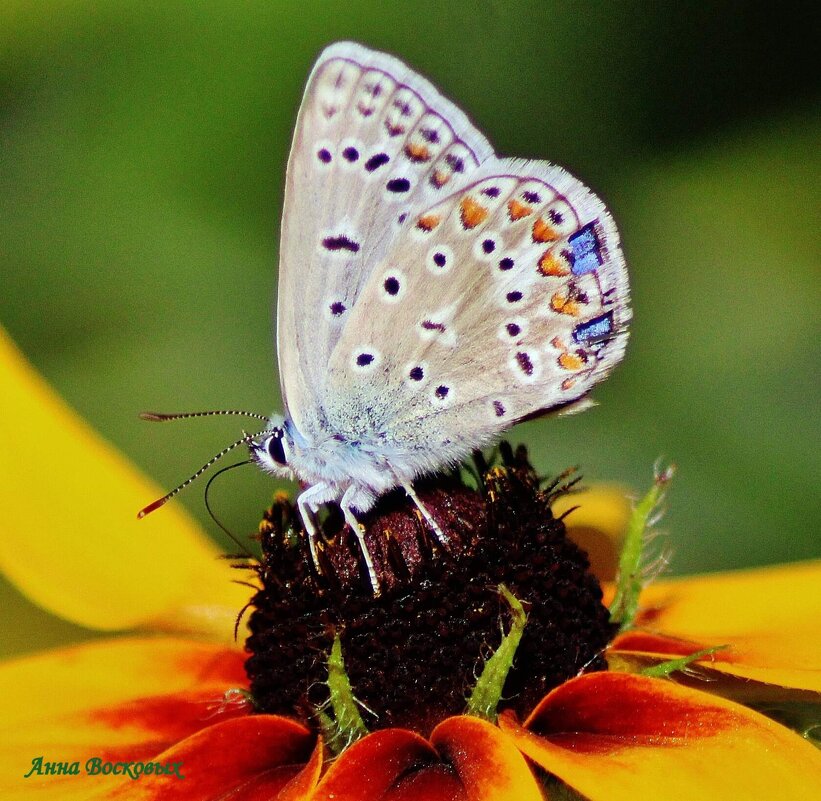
373	141
506	299
430	295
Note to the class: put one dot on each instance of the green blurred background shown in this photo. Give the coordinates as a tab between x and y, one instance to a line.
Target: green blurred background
142	156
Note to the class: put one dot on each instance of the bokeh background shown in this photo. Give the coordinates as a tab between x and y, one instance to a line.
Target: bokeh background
142	156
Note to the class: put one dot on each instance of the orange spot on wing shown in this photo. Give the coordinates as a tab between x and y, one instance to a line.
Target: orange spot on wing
417	152
516	210
564	305
550	265
428	222
472	213
440	178
568	383
543	231
571	361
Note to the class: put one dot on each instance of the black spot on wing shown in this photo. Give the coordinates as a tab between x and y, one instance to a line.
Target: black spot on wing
343	242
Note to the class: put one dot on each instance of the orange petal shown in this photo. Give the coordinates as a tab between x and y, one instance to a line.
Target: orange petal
769	617
257	758
373	767
72	541
301	787
434	782
621	737
598	525
488	765
466	758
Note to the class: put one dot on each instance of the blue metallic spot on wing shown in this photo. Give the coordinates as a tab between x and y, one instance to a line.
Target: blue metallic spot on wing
586	250
595	330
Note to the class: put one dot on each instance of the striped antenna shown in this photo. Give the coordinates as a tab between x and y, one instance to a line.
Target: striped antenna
167	497
161	417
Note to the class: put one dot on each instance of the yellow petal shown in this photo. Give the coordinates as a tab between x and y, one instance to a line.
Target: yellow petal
71	539
597	525
103	673
617	737
770	619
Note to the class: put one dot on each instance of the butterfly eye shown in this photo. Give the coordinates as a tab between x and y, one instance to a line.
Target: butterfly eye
276	449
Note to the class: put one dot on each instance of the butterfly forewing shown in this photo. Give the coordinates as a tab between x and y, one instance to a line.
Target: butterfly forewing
373	142
506	298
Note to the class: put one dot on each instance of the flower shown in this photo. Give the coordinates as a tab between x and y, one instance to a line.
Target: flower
87	721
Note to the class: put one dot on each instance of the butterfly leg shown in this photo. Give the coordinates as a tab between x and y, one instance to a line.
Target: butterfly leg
308	502
356	527
440	535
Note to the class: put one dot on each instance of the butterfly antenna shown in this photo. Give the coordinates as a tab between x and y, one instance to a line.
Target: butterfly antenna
234	538
168	496
160	417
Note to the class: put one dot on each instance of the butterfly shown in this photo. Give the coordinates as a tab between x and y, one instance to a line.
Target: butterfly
431	294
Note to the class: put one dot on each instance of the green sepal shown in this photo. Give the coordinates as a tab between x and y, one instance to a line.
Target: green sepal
486	694
663	669
238	694
344	725
631	576
331	735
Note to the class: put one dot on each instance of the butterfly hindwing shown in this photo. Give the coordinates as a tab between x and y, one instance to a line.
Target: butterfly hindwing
373	141
505	299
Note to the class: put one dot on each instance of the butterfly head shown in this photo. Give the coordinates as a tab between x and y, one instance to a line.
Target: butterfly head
274	449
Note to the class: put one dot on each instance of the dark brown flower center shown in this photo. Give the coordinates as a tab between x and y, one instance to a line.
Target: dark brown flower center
413	653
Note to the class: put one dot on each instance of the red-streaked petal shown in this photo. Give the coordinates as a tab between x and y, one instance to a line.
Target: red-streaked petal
769	617
301	787
372	767
435	782
466	758
488	765
248	759
620	737
119	700
108	673
744	659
